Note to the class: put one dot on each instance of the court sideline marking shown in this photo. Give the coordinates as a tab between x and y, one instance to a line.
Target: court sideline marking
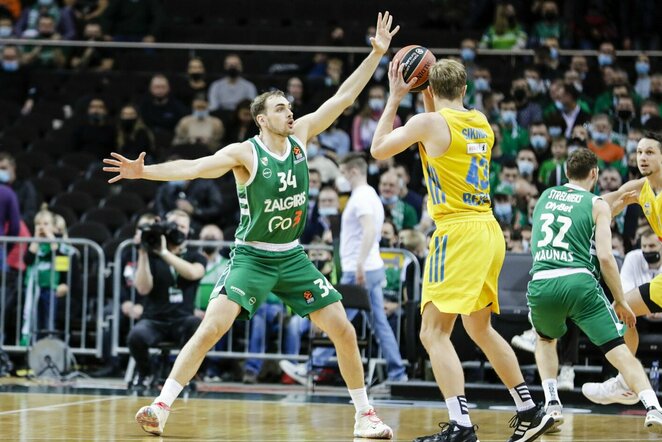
49	407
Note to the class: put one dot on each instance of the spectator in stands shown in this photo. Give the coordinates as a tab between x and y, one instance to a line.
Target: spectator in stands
573	78
196	81
389	234
527	110
327	85
15	85
27	25
45	56
481	87
649	108
200	127
200	199
536	85
324	221
401	213
539	139
546	58
133	20
504	205
606	54
568	110
294	94
168	295
656	89
6	27
643	84
642	265
600	140
159	109
28	199
97	135
365	122
610	180
527	164
336	140
10	214
550	26
216	265
241	126
88	11
49	268
468	50
505	32
515	137
90	58
226	93
552	171
407	195
133	136
607	101
321	159
624	119
314	186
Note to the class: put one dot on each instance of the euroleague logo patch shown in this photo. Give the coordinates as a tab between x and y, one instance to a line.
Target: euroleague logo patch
298	154
308	296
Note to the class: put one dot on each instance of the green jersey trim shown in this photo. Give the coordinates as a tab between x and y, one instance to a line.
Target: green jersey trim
255	166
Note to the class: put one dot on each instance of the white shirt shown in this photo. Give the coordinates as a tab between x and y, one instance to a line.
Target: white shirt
363	201
635	271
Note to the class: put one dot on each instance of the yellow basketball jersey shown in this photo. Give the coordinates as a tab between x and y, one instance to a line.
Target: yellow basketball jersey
458	182
652	206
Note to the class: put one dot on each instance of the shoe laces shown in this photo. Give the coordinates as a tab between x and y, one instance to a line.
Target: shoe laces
162	406
371	415
519	424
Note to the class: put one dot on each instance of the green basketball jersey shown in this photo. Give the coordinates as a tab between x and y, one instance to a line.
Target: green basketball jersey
563	233
274	201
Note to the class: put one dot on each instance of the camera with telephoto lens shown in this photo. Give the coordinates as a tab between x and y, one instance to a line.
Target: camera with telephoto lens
151	234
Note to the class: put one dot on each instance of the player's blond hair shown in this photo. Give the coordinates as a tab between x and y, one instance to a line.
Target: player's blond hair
259	104
447	79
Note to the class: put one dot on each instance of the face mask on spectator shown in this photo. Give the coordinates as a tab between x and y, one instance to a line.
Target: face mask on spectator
5	31
555	131
313	192
128	124
482	84
343	185
4	176
631	146
553	53
558	105
519	94
96	118
605	60
509	116
539	142
525	167
373	169
642	67
10	65
644	118
390	200
376	104
196	76
503	212
209	250
652	257
201	114
535	85
599	137
624	114
233	72
468	54
312	149
327	211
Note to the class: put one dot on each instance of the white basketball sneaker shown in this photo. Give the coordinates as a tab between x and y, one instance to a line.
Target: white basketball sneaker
152	418
653	422
298	372
526	341
566	379
610	391
369	425
554	409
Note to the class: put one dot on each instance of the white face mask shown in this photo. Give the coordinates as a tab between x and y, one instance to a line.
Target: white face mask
343	185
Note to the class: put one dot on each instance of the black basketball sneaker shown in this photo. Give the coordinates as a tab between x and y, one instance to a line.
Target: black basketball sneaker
451	432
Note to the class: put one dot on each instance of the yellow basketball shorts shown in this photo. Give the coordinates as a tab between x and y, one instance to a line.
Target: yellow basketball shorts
652	294
462	268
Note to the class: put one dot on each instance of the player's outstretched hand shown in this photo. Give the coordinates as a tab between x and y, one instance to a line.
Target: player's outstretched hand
124	167
383	35
398	88
625	314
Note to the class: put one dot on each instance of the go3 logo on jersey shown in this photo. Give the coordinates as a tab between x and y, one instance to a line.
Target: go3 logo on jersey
283	223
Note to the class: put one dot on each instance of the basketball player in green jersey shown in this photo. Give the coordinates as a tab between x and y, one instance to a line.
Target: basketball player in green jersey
571	245
272	184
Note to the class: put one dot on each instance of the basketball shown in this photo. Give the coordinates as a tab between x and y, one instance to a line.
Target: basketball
417	61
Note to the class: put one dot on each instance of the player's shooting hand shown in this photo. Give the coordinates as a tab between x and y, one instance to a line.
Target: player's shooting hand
428	101
383	35
625	314
398	88
124	167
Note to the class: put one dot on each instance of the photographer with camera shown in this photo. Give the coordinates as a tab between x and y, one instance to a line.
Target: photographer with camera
167	276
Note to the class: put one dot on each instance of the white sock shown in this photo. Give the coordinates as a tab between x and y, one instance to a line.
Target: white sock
649	399
624	384
522	397
360	398
550	390
458	410
169	393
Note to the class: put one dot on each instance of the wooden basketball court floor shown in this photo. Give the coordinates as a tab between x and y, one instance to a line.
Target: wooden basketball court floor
61	413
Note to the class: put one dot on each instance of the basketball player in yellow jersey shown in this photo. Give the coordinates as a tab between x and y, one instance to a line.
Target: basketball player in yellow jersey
647	298
467	249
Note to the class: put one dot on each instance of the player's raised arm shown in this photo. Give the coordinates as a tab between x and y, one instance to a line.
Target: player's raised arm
212	166
317	122
627	194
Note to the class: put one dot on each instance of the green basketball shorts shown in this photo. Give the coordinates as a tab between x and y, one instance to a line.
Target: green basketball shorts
253	273
580	298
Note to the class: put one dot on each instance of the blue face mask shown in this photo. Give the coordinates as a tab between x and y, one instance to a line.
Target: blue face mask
10	65
201	114
503	212
5	31
631	146
553	53
313	192
312	150
558	105
539	142
599	137
555	131
605	60
482	84
4	176
468	54
373	169
509	117
525	167
642	67
390	200
376	104
327	211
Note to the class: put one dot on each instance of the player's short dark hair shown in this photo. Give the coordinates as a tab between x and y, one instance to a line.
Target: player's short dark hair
355	161
259	104
654	135
580	163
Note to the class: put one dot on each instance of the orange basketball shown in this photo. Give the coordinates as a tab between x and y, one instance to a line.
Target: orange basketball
417	61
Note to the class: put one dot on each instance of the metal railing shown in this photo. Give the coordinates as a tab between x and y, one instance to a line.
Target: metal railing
14	278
